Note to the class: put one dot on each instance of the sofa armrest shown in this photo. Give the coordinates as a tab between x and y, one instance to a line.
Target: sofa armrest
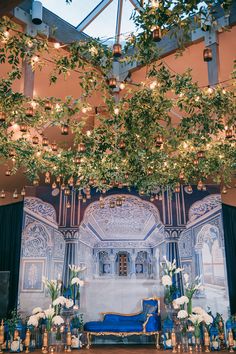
152	323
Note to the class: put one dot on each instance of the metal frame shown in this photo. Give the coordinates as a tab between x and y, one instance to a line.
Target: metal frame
100	8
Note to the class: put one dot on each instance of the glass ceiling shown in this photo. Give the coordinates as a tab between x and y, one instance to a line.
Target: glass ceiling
103	26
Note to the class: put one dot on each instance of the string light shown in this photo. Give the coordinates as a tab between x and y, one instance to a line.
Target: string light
15	194
122	86
2	194
23	192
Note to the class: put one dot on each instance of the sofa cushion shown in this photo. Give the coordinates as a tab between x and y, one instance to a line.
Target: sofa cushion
112	326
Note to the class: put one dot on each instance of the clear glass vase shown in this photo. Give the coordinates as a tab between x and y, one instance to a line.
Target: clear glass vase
184	341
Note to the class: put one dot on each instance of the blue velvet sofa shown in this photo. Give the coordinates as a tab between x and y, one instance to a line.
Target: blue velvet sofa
146	322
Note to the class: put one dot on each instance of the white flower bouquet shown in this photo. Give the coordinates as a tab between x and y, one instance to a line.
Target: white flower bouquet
169	270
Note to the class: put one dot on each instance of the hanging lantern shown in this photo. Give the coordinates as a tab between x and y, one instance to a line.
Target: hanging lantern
160	197
35	182
112	204
156	34
8	173
84	200
45	141
67	191
81	147
23	128
2	117
71	181
152	199
15	194
2	194
116	50
63	186
177	188
200	154
195	162
58	179
159	141
78	182
141	192
47	178
54	147
228	133
88	196
64	129
23	192
54	185
77	160
121	144
48	106
80	197
101	205
200	185
112	82
181	175
12	153
35	140
189	189
29	112
68	205
207	54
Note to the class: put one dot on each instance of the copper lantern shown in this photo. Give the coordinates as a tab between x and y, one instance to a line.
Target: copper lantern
116	50
207	54
156	34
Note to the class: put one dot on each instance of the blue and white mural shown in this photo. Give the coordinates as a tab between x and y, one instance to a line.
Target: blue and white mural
122	247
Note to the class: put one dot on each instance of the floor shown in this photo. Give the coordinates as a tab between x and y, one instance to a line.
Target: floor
141	349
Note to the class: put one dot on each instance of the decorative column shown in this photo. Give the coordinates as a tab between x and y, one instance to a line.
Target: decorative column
199	269
71	252
133	269
172	253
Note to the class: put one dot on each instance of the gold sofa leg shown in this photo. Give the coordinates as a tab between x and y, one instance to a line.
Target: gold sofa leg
88	340
157	340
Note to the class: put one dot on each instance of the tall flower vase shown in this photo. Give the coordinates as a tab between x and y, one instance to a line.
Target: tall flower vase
190	306
184	341
197	334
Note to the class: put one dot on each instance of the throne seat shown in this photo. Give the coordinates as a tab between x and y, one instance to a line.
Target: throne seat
146	322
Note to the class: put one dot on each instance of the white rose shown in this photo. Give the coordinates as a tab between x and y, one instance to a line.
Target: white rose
182	314
166	280
36	310
57	320
33	321
175	305
196	319
77	281
178	270
208	319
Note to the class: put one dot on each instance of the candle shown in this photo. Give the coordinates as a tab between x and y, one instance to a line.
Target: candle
173	339
206	338
27	338
230	338
68	338
45	339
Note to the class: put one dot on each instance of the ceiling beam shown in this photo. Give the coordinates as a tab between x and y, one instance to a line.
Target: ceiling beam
137	5
7	5
93	14
118	20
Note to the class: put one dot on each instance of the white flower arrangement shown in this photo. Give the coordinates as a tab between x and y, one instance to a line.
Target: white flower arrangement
33	321
36	310
77	281
182	314
49	313
40	315
196	319
57	320
59	301
76	268
166	280
198	310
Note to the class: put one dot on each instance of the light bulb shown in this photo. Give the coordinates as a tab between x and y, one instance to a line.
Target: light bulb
57	45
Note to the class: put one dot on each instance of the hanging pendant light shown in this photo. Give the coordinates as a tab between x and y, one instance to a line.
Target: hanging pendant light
117	50
35	140
8	173
23	128
121	144
112	82
29	112
48	106
228	133
189	189
45	141
200	154
159	141
156	34
81	147
54	147
15	194
207	54
64	129
2	117
35	182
